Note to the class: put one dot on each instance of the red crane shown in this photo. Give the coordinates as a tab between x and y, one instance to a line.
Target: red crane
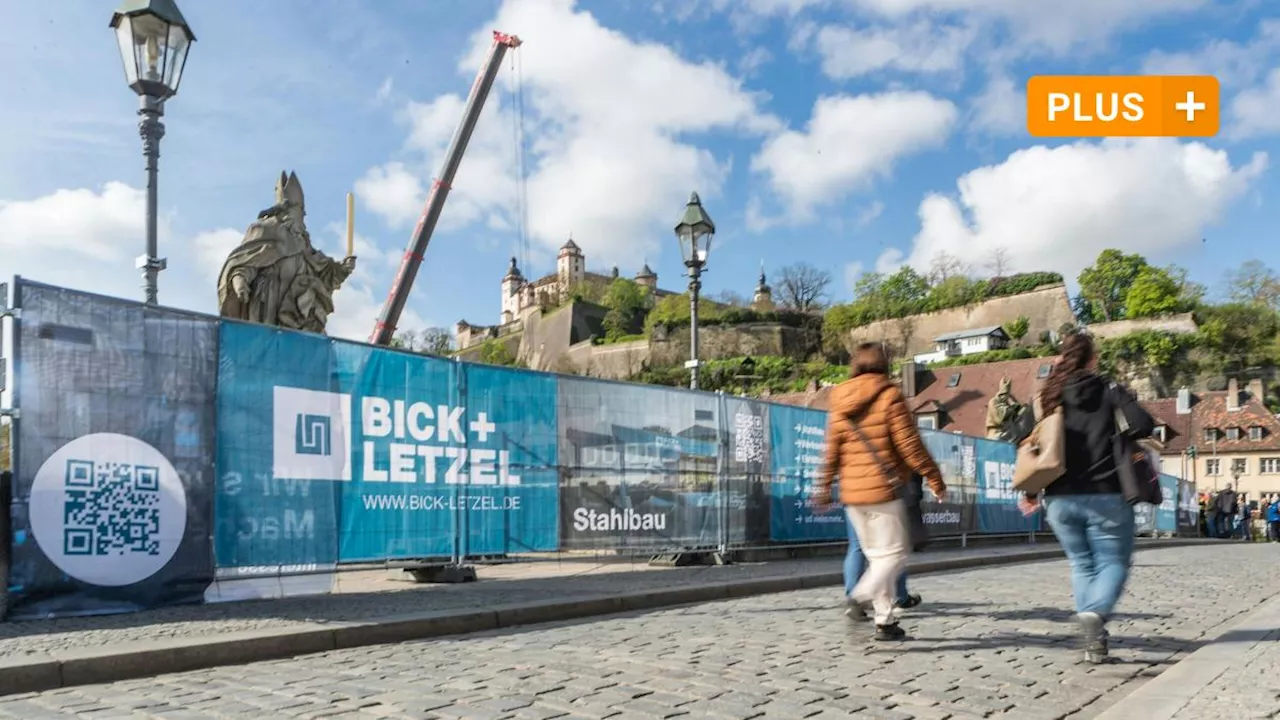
399	294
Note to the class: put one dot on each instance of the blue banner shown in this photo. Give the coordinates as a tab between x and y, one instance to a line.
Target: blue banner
334	451
797	437
1167	511
271	514
997	507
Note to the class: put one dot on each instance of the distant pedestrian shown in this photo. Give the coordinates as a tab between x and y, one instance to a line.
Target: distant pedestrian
1228	506
873	444
1273	518
1085	507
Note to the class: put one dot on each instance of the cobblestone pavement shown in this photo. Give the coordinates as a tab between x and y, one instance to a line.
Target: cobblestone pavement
1251	689
988	642
370	595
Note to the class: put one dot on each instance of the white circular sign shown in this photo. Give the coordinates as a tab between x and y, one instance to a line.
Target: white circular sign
108	509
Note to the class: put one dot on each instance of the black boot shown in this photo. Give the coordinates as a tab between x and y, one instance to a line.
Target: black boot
910	601
889	633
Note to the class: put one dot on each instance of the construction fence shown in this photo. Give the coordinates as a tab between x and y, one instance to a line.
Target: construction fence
163	457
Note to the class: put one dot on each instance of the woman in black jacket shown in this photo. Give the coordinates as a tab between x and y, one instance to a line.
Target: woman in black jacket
1085	507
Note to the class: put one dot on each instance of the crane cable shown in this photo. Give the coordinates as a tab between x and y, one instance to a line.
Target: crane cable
521	162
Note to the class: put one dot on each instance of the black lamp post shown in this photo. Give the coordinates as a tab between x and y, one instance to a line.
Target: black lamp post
154	40
695	232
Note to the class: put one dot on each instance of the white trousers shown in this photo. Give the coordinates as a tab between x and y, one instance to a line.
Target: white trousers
882	532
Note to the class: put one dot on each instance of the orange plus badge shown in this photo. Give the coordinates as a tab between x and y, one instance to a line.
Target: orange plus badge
1123	106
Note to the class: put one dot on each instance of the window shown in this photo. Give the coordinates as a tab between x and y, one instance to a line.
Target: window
1239	466
1255	433
1162	433
928	422
1269	466
954	380
1043	372
1210	434
1233	433
1211	467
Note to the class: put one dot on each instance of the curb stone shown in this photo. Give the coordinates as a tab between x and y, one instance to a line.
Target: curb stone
42	672
1165	695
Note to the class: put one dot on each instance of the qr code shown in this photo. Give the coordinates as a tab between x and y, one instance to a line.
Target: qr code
748	433
111	509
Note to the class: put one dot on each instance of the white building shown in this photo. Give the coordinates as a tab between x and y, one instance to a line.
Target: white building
965	342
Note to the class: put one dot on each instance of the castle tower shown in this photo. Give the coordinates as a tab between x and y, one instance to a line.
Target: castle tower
512	283
762	300
570	268
647	278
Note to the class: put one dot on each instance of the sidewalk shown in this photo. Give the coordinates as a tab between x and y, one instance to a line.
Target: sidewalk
1236	676
371	609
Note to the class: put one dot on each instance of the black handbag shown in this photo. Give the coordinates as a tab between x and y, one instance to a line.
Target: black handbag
1139	481
911	493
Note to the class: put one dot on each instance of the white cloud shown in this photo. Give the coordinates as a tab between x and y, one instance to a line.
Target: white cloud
922	46
1000	109
849	142
1055	26
612	126
754	59
212	248
393	192
1056	209
384	90
869	214
1234	64
1256	111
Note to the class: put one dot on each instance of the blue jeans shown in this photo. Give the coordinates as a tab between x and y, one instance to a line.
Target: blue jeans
855	563
1096	532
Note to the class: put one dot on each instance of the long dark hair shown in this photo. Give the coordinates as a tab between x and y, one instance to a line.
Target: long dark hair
1076	352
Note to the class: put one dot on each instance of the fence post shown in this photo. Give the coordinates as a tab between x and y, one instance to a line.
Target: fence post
722	464
459	494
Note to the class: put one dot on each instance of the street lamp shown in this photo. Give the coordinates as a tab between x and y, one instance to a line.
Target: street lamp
695	232
154	39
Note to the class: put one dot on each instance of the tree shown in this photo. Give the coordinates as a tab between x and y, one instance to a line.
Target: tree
955	291
1254	283
732	299
1105	284
998	262
1153	292
626	300
1241	335
946	266
802	287
431	341
1018	329
903	292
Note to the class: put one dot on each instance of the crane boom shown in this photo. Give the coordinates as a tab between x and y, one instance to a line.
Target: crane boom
412	261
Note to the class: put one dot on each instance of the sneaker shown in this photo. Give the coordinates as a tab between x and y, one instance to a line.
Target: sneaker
1094	636
910	601
889	633
856	612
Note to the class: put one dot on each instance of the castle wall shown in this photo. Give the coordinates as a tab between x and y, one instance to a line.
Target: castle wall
1047	308
1177	323
717	342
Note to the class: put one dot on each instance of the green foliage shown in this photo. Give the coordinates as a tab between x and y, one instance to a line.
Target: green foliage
494	352
1105	284
1253	283
673	311
750	376
906	292
1018	353
588	291
1239	336
627	301
5	451
1149	348
1153	292
1018	328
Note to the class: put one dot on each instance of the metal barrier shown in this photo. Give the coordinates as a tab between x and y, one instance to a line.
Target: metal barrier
163	457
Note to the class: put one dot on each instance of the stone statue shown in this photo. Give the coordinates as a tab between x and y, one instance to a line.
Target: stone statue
275	276
1002	412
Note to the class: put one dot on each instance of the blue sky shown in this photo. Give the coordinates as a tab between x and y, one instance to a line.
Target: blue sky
849	134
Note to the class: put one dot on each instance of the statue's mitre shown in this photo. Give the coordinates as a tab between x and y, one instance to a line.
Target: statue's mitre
289	189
